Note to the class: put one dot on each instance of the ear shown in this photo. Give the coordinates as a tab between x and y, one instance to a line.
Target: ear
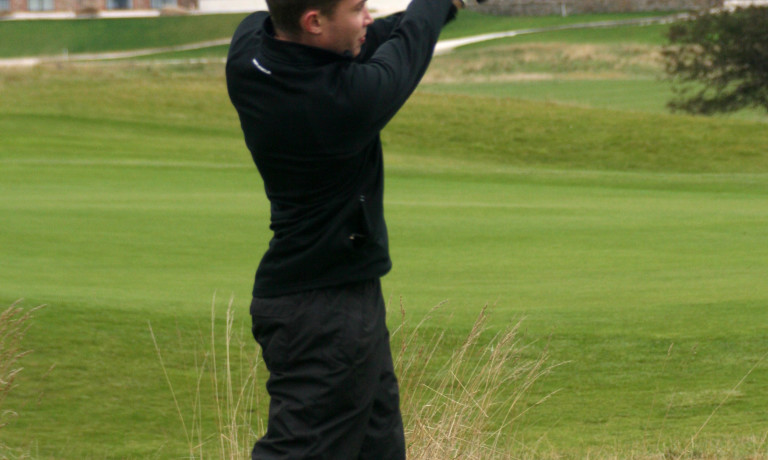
312	22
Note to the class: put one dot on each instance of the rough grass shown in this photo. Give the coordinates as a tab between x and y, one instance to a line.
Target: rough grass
470	405
14	322
466	405
546	60
228	388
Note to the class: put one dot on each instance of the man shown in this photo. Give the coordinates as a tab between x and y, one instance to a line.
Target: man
314	82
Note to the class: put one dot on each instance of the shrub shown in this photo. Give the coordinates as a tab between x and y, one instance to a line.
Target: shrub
718	62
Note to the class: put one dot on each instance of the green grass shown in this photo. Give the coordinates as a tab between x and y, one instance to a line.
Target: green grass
632	243
515	133
610	68
634	34
53	37
210	52
646	95
472	23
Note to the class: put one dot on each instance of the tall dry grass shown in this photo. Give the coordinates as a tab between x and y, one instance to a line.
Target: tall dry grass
231	370
465	406
461	399
14	322
458	405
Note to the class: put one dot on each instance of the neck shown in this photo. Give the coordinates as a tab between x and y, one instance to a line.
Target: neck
284	36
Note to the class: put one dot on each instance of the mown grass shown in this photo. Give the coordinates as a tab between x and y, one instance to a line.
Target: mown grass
524	134
652	34
632	243
473	23
54	37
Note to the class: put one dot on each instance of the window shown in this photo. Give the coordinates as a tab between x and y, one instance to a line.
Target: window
39	5
119	4
160	4
4	5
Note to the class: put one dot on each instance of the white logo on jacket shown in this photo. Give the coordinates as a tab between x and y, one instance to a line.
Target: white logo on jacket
261	67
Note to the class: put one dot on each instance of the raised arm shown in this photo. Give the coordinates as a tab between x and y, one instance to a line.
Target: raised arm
380	85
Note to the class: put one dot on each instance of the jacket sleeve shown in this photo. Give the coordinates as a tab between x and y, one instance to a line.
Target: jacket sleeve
378	33
383	83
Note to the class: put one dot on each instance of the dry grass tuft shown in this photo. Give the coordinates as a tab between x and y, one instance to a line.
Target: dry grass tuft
235	392
14	322
465	407
462	408
462	404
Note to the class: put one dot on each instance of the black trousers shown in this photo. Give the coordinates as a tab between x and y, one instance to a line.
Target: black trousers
332	386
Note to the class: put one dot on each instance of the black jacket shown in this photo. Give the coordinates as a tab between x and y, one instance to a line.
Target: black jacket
311	120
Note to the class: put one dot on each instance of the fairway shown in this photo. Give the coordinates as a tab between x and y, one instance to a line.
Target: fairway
633	245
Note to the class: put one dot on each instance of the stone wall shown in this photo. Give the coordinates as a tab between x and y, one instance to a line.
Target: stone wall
567	7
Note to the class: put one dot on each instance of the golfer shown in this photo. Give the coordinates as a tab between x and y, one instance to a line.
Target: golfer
314	82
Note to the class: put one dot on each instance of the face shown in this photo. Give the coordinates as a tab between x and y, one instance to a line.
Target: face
344	30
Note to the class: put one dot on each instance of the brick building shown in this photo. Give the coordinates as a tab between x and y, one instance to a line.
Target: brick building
86	6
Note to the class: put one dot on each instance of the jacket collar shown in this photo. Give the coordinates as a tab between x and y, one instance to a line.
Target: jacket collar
293	53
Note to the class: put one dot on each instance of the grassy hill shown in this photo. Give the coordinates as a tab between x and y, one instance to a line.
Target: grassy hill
52	37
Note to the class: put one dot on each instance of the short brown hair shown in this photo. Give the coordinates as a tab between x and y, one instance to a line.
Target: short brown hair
286	14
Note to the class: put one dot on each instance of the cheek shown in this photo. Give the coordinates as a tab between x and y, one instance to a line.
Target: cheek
360	22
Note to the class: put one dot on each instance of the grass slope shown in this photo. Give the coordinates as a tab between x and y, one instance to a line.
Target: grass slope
53	37
472	23
517	133
612	68
633	244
